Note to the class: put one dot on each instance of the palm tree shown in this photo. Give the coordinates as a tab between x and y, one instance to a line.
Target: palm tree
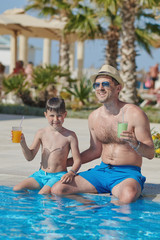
81	20
113	37
146	29
61	10
83	23
128	53
108	12
129	11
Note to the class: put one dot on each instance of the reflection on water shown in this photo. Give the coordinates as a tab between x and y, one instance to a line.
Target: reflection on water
33	216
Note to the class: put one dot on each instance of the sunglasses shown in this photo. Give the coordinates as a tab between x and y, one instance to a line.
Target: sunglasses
97	84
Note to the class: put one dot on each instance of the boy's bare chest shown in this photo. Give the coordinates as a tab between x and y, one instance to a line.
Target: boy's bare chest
54	142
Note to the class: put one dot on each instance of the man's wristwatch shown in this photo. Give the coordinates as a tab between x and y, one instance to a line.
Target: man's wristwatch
136	148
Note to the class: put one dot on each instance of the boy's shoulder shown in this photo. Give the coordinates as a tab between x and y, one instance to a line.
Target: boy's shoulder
41	131
69	132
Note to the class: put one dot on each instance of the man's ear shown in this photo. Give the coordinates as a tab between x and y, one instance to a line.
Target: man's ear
119	88
65	114
45	114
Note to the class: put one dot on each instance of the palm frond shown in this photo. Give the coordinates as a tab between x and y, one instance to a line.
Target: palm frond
81	91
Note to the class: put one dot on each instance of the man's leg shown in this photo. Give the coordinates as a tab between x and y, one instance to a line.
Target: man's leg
127	191
78	185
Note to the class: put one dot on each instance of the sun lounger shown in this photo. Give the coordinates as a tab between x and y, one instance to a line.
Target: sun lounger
147	98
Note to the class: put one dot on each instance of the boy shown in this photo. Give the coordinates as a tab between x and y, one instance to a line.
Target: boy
56	142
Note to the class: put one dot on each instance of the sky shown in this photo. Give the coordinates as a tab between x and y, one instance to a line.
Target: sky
94	49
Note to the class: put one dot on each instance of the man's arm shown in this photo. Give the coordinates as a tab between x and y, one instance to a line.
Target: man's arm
75	153
139	137
95	149
30	153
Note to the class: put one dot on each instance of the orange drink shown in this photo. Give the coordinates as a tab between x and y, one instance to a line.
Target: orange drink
16	134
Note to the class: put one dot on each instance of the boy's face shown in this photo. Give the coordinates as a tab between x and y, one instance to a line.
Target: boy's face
55	119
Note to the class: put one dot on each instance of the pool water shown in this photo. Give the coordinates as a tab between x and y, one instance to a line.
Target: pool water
33	216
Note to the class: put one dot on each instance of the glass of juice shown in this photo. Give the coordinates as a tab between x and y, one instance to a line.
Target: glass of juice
122	126
16	134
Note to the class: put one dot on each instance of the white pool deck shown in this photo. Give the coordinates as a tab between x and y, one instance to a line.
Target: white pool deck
14	167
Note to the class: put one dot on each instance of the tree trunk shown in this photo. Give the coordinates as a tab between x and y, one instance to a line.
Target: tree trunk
64	60
112	46
128	53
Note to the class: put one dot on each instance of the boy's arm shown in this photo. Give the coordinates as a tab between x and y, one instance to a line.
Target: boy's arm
30	152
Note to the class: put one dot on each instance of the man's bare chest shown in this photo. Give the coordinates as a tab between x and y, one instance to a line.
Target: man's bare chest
106	132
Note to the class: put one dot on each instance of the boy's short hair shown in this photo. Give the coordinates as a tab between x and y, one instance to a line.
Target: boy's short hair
56	104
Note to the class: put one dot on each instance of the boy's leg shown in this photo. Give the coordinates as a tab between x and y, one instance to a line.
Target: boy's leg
53	179
29	183
45	190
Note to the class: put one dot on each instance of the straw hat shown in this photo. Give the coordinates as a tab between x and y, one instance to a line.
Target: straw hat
108	70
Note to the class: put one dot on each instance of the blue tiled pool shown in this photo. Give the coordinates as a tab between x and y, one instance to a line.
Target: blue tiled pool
32	216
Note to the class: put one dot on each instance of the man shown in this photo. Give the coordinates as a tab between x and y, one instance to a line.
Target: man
154	74
120	170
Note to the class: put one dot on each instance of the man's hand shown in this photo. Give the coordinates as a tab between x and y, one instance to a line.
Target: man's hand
130	137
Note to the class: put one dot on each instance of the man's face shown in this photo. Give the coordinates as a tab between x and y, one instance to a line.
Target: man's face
104	88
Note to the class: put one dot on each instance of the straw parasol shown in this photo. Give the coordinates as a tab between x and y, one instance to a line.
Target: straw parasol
16	22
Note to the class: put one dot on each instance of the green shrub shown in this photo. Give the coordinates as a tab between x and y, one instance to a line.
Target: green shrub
14	84
44	83
21	110
81	90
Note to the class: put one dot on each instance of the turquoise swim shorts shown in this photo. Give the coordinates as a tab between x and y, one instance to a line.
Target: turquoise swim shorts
44	178
105	176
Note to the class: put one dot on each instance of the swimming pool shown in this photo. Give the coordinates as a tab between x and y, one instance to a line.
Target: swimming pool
31	216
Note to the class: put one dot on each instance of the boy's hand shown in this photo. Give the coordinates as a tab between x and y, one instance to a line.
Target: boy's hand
22	138
68	177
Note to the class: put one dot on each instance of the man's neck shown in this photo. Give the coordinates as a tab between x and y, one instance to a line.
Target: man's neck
113	108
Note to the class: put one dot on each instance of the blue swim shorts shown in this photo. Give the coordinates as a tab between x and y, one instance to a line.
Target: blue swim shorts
44	178
105	176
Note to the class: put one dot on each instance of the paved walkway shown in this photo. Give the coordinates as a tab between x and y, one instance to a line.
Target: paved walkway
14	167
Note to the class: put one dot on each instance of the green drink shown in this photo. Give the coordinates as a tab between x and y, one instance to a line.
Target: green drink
122	126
